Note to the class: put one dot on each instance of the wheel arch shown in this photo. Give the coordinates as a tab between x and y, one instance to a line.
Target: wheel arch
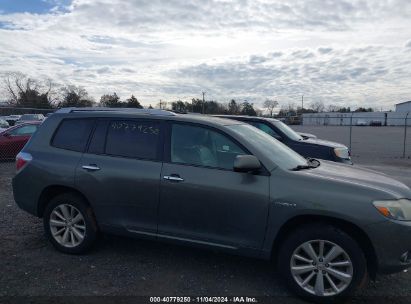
51	191
348	227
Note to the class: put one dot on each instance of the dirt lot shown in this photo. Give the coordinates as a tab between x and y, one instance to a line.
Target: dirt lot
124	267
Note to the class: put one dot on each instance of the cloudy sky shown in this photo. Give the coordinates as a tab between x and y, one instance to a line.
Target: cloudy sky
342	52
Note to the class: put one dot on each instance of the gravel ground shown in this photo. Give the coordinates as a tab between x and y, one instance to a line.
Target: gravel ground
126	267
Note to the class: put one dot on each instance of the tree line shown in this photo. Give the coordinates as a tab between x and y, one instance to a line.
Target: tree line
25	92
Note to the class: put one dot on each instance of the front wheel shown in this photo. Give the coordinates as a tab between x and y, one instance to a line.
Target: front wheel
69	223
322	263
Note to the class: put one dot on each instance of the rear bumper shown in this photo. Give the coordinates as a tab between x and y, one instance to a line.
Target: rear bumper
391	240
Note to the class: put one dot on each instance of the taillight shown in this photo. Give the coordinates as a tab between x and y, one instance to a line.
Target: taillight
22	159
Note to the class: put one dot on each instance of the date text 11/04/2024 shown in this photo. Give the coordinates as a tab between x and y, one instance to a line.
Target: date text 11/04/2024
235	299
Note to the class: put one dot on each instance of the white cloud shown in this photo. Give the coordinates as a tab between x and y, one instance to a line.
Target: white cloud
346	51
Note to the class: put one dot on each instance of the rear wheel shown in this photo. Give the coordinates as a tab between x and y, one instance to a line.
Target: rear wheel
322	263
69	223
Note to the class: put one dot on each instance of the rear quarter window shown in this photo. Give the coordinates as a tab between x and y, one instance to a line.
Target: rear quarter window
73	134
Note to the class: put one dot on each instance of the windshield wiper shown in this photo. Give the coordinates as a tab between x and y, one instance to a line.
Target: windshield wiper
311	164
302	167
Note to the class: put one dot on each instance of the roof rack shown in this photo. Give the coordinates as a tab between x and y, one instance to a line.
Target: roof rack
128	110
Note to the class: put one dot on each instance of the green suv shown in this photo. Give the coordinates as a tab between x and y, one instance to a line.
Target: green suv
213	183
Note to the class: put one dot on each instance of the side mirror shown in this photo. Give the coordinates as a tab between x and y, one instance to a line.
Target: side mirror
246	163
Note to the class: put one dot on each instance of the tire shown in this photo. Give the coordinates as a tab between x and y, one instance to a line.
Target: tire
69	223
296	264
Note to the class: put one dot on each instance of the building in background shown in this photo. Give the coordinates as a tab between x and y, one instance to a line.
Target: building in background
396	118
403	106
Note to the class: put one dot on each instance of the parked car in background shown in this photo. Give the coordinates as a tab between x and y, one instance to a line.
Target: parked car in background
307	135
307	147
376	123
30	117
213	183
3	124
361	122
13	139
11	119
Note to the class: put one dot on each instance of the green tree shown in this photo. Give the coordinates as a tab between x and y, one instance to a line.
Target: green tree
233	107
73	96
132	102
111	101
179	106
248	109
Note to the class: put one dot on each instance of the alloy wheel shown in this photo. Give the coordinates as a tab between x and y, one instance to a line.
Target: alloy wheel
321	268
67	225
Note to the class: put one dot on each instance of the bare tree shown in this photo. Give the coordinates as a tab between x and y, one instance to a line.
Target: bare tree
270	105
333	108
24	91
317	106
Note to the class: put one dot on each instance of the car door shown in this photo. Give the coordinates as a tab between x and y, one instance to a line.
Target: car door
120	173
202	199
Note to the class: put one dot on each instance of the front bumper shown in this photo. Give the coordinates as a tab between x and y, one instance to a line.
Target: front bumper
391	240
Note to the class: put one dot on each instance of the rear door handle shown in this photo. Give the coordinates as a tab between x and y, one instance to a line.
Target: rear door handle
173	178
91	167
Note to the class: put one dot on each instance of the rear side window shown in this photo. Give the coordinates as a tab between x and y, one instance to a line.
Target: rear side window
133	138
73	134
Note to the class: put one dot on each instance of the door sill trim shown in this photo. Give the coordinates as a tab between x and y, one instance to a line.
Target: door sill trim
181	239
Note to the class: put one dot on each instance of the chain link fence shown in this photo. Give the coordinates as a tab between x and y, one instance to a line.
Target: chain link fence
370	136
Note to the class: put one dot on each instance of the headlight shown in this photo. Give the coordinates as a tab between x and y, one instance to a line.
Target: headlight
396	209
342	153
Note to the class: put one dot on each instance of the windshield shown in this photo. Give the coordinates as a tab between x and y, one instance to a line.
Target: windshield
286	129
280	154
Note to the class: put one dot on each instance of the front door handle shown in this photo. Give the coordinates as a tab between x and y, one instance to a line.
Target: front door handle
91	167
173	178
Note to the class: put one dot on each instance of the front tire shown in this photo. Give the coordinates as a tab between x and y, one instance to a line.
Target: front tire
69	223
322	263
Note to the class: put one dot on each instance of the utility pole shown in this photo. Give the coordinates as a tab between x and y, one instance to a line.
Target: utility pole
203	101
302	103
160	104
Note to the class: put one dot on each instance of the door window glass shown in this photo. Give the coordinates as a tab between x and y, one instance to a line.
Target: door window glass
133	138
265	128
202	147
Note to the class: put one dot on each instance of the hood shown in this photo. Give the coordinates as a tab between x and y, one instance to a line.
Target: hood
361	177
331	144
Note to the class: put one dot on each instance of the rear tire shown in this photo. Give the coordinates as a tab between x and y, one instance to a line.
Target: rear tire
69	223
322	263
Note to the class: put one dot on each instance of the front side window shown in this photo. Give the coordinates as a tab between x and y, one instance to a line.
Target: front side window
290	133
73	134
24	130
200	146
133	138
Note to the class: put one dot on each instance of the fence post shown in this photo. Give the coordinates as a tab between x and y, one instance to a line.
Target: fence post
351	132
405	134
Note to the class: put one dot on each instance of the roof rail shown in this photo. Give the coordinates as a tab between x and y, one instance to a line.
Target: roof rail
127	110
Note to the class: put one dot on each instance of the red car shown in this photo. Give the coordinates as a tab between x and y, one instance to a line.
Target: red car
13	139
